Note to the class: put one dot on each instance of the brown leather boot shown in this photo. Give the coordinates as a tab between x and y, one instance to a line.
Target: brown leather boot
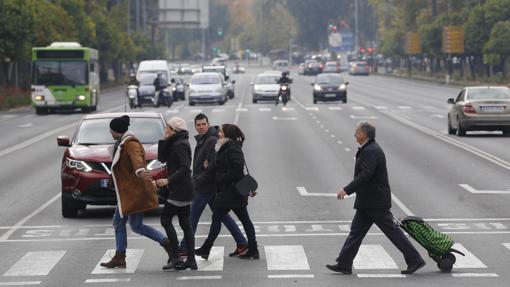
119	261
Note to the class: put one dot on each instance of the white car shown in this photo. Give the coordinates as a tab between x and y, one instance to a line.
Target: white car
207	88
265	87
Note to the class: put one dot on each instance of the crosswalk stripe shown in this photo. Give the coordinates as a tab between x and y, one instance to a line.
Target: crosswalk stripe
335	108
291	257
358	108
507	245
312	109
264	109
404	107
475	275
107	280
381	107
20	283
218	110
373	257
215	261
133	257
196	111
381	275
468	261
36	263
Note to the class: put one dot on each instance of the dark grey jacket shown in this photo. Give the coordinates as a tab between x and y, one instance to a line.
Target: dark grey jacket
370	182
176	153
204	150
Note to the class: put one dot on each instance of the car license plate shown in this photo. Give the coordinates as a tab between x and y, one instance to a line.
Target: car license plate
104	182
492	109
330	95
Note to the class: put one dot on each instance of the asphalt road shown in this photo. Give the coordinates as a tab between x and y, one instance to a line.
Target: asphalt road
300	155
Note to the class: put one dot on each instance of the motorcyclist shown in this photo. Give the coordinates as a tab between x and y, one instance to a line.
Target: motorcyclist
284	80
133	81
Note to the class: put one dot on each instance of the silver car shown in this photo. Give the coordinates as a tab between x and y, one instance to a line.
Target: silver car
359	68
207	88
480	108
265	87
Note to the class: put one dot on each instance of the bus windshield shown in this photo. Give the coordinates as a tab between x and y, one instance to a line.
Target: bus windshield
60	73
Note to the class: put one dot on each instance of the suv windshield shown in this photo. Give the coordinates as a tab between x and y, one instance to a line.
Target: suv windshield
97	131
68	73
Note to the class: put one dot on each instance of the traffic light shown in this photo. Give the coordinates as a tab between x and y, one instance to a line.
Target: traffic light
362	50
370	50
333	29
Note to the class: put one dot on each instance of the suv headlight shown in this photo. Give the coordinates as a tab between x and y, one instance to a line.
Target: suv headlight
342	87
155	164
317	87
78	165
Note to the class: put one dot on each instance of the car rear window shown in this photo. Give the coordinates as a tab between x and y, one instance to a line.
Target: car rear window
489	94
329	79
205	80
97	131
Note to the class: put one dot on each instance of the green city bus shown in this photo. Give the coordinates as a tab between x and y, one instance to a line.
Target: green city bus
65	75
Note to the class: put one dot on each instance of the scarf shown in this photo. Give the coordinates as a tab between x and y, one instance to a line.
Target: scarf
220	143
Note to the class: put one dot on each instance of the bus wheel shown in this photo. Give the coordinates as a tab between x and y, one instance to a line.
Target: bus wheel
41	111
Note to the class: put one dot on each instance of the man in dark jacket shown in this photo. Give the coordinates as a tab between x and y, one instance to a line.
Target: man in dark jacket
372	204
205	184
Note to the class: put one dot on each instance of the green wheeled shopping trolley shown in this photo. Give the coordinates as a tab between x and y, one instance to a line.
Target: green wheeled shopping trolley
437	244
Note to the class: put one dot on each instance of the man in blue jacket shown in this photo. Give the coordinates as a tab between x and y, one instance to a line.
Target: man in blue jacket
372	204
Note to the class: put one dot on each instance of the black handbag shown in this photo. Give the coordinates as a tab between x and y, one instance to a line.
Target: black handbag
247	184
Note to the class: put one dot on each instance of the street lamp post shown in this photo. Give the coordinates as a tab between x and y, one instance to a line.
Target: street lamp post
356	47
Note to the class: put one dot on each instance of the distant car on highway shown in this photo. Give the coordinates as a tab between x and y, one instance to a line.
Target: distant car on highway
225	72
207	88
281	65
148	94
312	67
86	163
329	87
359	68
331	67
480	108
265	87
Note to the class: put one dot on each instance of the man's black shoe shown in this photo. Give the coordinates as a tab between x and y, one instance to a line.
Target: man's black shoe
414	268
339	268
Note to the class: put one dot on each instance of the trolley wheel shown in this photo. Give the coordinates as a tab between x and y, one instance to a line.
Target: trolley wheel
446	262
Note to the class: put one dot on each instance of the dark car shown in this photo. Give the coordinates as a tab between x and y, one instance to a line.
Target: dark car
148	94
480	108
329	87
312	67
86	164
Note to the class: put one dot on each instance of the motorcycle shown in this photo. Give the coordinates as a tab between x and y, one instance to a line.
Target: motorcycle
132	94
283	94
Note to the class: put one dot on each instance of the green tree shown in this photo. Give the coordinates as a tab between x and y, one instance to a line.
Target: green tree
498	44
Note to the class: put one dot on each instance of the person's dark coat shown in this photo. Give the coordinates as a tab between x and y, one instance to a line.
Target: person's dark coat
370	182
204	150
229	169
175	151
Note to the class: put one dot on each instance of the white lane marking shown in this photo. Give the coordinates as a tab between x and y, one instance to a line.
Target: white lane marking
218	110
358	108
507	245
476	191
347	149
133	257
381	275
401	205
362	117
404	107
312	109
333	136
212	277
373	256
215	261
36	263
168	112
381	107
241	109
32	141
8	116
16	226
335	108
326	130
109	280
290	276
196	111
303	192
475	275
287	109
291	257
468	261
27	125
437	116
339	142
485	155
20	283
285	119
264	109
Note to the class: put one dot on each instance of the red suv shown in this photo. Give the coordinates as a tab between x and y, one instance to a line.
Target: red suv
86	164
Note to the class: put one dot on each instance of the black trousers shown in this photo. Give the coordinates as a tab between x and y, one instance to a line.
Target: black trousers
183	213
219	215
363	220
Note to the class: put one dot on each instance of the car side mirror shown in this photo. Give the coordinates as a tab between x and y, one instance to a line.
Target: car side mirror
63	141
346	83
451	101
311	84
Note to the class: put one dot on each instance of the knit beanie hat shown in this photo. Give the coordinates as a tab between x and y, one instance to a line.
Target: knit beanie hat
177	124
120	124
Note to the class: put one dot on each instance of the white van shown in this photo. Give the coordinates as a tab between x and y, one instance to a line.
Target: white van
153	67
281	65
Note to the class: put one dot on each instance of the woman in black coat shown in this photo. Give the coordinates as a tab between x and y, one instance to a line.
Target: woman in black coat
175	151
228	169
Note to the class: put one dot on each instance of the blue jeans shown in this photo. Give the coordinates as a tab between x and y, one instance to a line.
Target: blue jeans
197	207
136	223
